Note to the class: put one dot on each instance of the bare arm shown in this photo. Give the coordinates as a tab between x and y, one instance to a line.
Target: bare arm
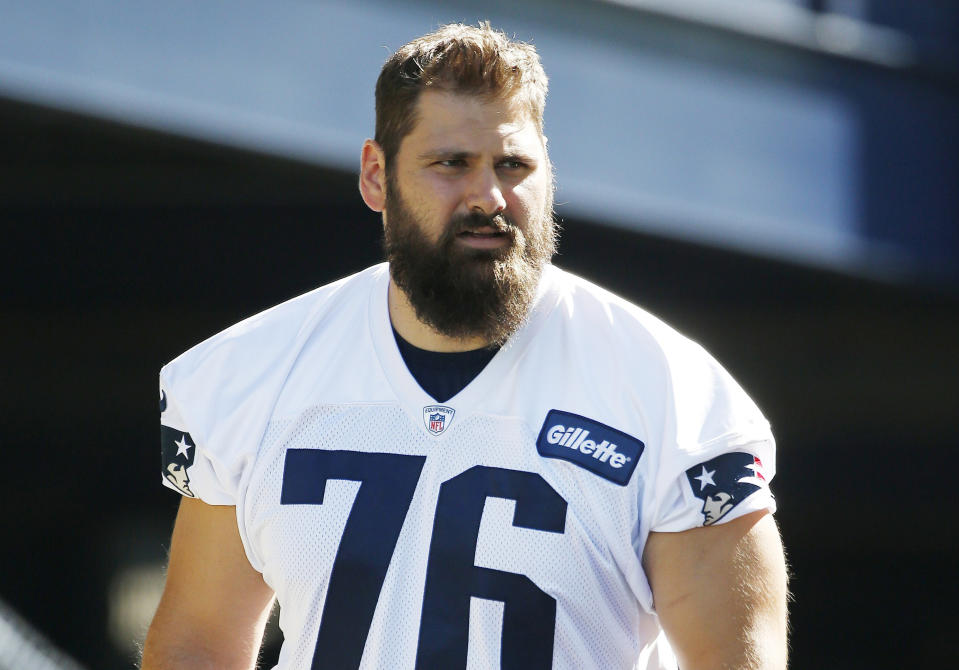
720	592
215	605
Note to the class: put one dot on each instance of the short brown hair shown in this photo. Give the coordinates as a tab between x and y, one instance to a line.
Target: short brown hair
461	59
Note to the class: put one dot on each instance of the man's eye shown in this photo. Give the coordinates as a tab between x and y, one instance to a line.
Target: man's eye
513	165
451	162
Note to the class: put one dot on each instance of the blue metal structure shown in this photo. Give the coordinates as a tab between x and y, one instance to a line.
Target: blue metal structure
804	131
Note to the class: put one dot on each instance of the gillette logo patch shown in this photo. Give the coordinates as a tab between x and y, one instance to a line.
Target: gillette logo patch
605	451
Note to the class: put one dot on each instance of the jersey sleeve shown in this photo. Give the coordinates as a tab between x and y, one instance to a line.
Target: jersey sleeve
217	398
718	453
188	463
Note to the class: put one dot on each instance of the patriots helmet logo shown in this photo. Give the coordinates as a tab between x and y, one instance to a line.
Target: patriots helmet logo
437	418
178	451
725	481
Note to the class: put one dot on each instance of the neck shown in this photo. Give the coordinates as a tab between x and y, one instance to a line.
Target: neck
404	320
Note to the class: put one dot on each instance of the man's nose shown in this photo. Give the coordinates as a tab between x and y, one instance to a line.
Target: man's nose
485	193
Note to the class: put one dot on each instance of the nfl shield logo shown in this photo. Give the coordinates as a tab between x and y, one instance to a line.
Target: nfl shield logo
437	418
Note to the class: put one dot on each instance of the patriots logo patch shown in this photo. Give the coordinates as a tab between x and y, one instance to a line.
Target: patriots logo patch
725	481
437	418
178	451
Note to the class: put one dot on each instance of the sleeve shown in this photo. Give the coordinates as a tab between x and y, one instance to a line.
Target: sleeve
217	398
718	454
188	464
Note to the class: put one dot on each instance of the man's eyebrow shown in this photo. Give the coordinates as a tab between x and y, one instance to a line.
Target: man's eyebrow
458	154
448	154
520	156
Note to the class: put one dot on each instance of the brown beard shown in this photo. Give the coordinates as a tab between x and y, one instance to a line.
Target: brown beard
462	292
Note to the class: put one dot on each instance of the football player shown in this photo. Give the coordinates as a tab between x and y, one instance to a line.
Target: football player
466	457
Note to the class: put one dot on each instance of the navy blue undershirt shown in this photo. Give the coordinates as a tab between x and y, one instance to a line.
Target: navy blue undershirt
443	374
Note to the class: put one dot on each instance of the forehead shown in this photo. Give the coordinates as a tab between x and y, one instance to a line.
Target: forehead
472	123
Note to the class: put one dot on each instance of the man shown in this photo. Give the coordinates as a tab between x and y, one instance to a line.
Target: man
466	457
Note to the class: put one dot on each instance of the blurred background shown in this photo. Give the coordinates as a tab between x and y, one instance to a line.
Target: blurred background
778	179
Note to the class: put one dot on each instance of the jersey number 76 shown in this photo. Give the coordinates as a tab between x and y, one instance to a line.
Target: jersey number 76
387	484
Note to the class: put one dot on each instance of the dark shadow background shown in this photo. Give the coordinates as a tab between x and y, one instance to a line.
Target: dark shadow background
121	248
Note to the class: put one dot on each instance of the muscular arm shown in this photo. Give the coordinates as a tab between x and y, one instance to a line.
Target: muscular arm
215	605
720	593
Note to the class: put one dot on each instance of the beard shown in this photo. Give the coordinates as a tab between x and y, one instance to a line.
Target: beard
465	292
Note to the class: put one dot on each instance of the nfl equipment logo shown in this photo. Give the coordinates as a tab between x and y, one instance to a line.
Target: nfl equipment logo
437	418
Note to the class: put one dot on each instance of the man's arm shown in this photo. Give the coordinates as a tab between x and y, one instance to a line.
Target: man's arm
215	605
720	593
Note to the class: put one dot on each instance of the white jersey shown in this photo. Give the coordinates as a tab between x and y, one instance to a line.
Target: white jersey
503	528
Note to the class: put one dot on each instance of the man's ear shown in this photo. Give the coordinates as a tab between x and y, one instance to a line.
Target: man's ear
373	175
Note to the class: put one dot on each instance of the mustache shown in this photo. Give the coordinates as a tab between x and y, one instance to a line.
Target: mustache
498	222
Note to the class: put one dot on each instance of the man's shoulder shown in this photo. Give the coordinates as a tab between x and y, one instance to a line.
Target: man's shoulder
609	336
594	309
267	334
638	365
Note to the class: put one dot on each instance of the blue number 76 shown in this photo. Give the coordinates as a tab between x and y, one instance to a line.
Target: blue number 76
387	484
